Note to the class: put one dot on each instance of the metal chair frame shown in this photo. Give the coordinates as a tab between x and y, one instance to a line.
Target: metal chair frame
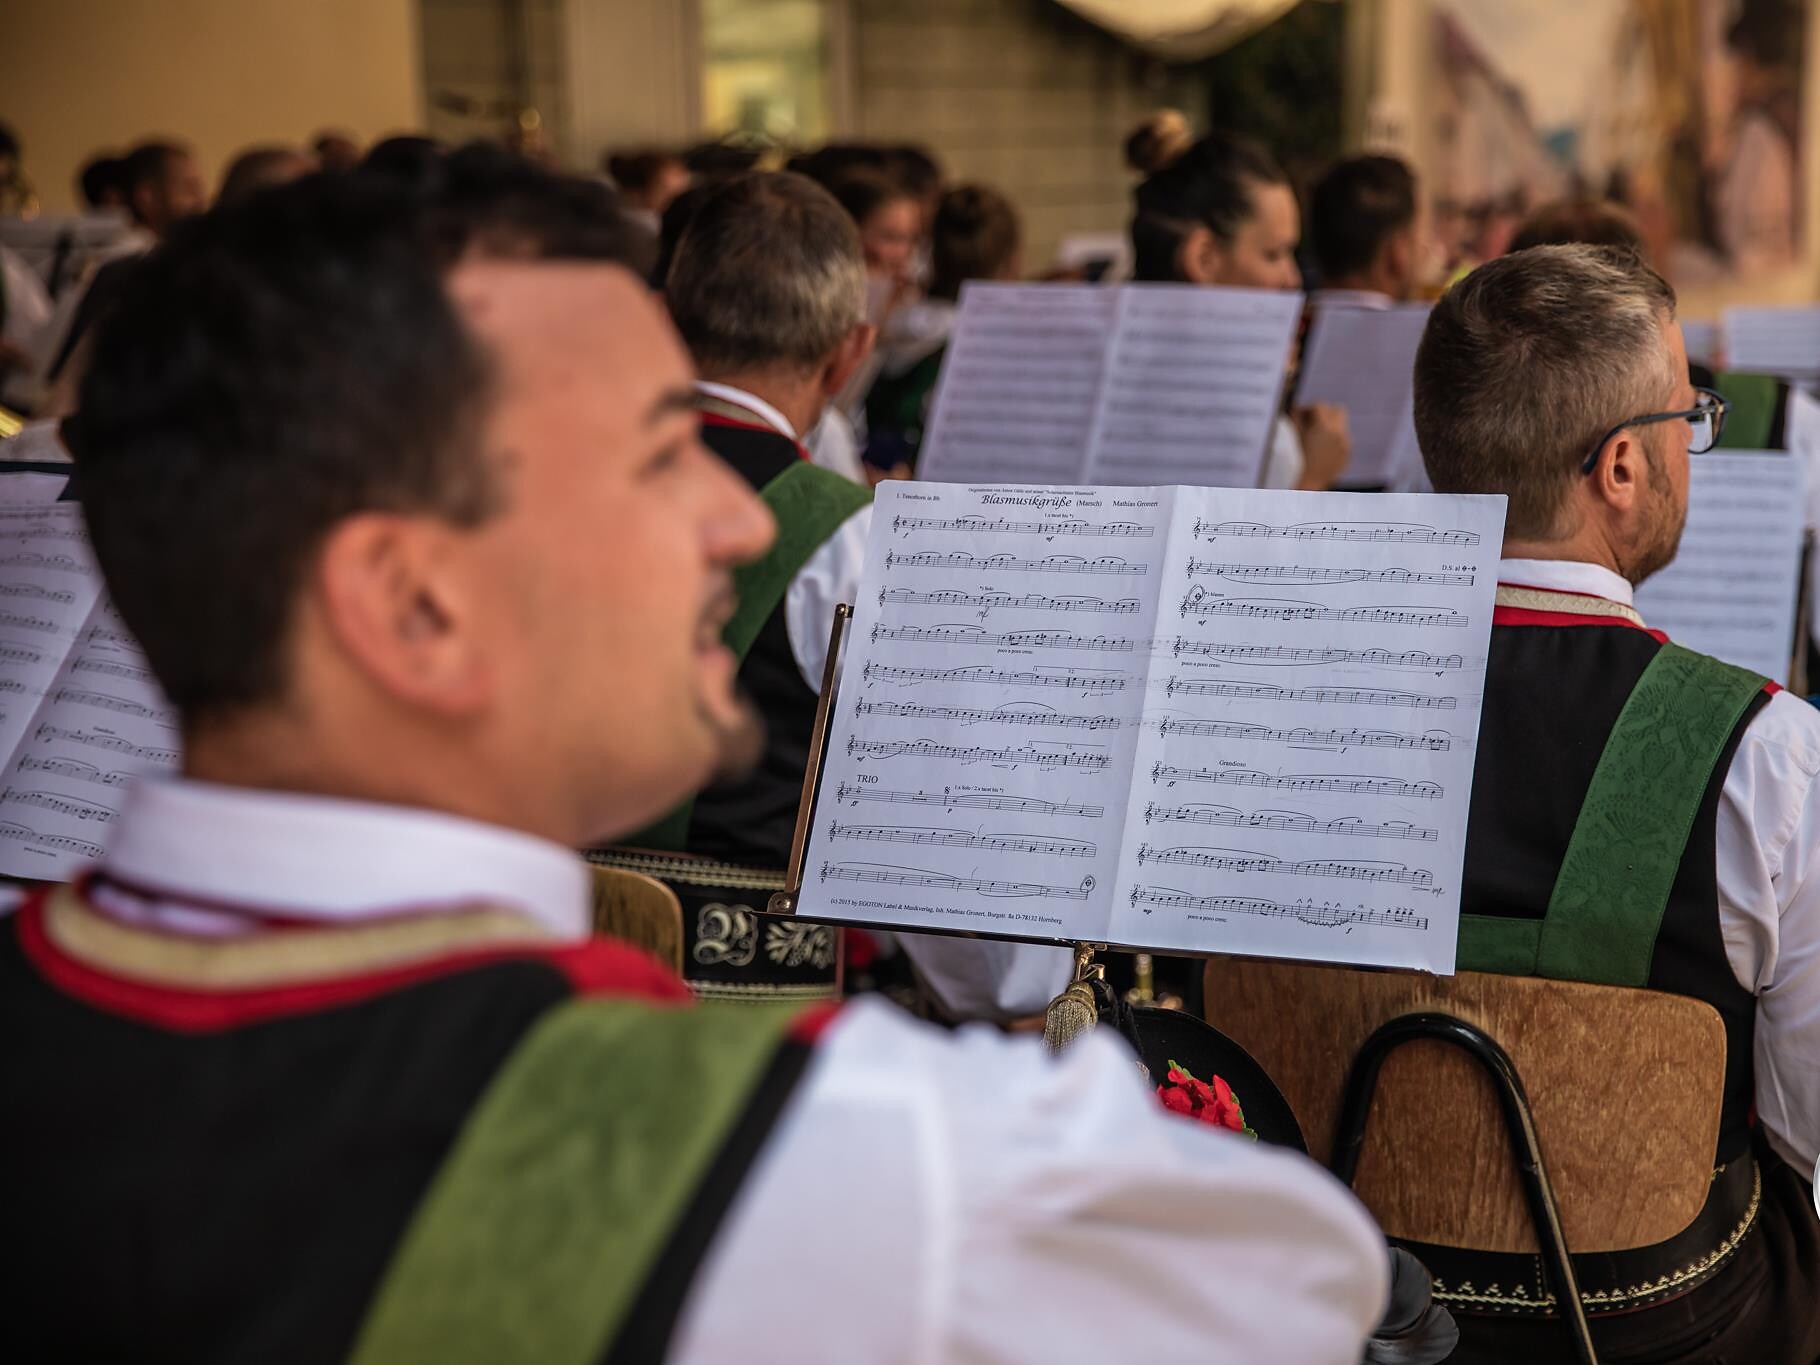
1519	1125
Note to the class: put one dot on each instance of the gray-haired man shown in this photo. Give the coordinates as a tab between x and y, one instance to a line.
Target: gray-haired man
1684	789
768	289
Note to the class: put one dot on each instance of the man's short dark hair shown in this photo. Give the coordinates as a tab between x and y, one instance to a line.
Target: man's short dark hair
1357	206
148	164
1527	362
1592	222
768	274
102	178
280	365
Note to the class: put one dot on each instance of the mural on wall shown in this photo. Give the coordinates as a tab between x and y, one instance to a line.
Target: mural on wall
1686	111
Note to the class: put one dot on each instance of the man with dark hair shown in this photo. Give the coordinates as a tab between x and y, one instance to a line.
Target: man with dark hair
335	150
1362	222
1641	815
102	183
768	289
163	186
320	1061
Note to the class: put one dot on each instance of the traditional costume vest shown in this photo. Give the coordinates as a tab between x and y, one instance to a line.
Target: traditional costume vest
1590	856
435	1136
725	853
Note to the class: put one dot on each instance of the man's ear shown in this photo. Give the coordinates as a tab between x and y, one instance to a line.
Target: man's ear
1622	473
847	358
393	603
1199	258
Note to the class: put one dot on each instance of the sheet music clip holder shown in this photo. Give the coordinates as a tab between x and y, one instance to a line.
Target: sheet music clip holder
784	902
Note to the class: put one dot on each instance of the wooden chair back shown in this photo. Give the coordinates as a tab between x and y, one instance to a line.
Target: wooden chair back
1625	1085
639	910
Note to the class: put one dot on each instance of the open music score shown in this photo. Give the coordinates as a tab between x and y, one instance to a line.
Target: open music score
80	713
1329	734
1127	384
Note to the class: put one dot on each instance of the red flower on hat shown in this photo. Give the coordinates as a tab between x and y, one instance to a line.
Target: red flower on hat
1182	1093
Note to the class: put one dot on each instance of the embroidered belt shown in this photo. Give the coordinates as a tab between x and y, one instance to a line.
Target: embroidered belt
730	950
1505	1284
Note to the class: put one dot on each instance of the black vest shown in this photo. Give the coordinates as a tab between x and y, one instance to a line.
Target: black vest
1552	696
753	820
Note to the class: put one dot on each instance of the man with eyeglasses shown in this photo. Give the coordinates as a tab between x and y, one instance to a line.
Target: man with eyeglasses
1641	815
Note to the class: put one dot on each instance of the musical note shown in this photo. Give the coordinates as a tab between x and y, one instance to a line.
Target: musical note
25	834
1351	785
61	596
77	810
1432	742
112	743
111	668
105	635
1327	696
999	715
1200	603
1229	817
1129	530
1073	682
1047	564
1327	915
1305	574
967	801
942	881
19	654
11	618
32	559
1017	639
1287	654
928	748
957	838
1244	860
990	601
1372	532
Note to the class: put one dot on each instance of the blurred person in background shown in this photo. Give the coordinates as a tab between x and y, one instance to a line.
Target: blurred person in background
335	150
1590	222
1364	220
259	167
1222	213
101	183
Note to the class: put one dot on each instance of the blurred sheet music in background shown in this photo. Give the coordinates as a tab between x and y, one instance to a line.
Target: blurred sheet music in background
1778	341
1364	359
1731	591
1133	384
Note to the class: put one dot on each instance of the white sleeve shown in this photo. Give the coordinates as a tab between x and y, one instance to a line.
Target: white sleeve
1283	467
1768	853
945	1198
830	577
985	979
833	445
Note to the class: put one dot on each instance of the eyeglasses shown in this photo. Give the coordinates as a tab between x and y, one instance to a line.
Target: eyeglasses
1706	417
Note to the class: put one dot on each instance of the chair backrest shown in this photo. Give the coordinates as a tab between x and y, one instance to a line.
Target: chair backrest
1626	1087
639	910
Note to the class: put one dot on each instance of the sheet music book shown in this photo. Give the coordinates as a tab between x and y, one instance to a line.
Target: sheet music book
1778	341
1129	384
1364	360
1731	590
79	710
1215	720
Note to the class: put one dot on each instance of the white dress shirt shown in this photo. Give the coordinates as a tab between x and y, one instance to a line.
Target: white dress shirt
973	979
1768	852
925	1197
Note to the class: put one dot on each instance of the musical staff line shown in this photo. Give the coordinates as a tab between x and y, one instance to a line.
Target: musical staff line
74	768
62	843
1369	532
112	743
1073	682
1005	563
1308	574
997	716
1342	783
929	748
108	702
1125	530
1016	639
992	601
1246	860
1323	696
61	596
1432	742
960	838
1027	805
1327	915
1291	655
889	875
1200	603
78	810
1295	822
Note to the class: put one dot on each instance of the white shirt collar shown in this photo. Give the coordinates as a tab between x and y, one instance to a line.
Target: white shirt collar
324	858
1566	575
752	403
